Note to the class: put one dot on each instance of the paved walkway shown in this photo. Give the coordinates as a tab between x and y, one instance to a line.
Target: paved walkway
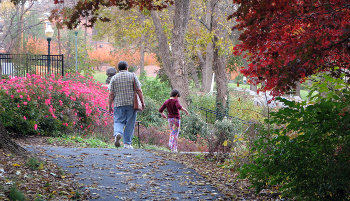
123	174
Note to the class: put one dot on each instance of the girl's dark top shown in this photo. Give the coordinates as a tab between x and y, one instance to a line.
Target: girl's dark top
173	106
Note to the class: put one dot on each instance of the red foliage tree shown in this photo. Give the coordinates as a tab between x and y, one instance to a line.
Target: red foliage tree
288	40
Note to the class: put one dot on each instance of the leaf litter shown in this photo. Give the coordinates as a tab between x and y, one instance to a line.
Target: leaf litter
158	182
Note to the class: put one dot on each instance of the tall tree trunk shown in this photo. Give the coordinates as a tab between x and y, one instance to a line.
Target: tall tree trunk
142	54
179	76
297	89
193	73
207	70
201	64
221	79
174	62
164	50
7	144
219	61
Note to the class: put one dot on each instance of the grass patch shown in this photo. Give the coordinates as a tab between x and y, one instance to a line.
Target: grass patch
234	85
100	76
78	141
91	142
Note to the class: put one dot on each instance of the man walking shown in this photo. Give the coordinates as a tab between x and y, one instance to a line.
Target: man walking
122	95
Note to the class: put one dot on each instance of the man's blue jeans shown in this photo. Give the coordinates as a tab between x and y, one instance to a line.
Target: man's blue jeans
124	122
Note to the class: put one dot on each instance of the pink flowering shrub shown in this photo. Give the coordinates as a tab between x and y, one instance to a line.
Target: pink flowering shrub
52	105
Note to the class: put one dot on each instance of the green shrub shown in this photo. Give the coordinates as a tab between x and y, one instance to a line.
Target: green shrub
150	115
228	130
193	126
155	89
307	153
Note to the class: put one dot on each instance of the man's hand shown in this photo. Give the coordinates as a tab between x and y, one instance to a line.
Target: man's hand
163	115
110	110
110	102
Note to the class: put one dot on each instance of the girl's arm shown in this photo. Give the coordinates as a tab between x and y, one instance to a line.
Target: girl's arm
184	109
161	109
163	115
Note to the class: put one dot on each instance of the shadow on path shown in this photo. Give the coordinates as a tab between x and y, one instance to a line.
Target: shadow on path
124	174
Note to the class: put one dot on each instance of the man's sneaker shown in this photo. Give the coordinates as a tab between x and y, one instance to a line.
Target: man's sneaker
128	146
117	140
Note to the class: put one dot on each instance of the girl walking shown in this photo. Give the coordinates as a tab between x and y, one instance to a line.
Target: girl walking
173	107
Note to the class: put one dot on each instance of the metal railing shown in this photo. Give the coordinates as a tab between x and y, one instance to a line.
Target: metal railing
243	124
219	114
21	64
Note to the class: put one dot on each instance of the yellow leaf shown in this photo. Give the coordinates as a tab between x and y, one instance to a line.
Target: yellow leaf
235	136
63	177
225	143
240	139
16	165
41	166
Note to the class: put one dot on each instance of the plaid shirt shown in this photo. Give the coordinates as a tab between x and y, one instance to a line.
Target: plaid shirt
122	85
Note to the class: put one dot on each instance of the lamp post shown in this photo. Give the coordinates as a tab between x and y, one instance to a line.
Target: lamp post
76	49
48	34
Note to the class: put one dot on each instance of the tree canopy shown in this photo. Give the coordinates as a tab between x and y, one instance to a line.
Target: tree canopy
286	41
89	9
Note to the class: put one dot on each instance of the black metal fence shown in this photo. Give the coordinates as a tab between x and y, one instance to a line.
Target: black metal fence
21	64
218	115
242	125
